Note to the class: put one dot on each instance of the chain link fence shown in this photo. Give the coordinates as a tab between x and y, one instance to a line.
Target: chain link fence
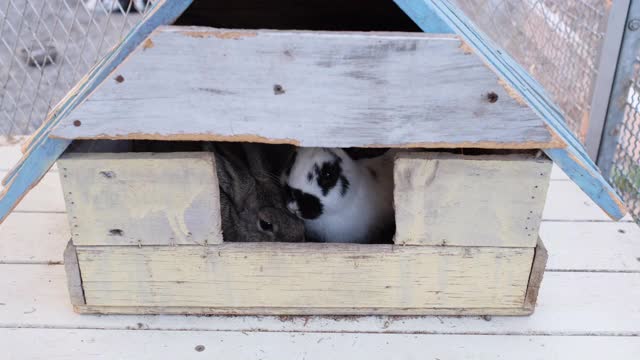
625	170
46	46
619	155
557	41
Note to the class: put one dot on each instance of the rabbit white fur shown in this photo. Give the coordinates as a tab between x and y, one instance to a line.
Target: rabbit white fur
340	196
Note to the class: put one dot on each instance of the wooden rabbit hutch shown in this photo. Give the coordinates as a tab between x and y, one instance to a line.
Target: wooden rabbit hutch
146	229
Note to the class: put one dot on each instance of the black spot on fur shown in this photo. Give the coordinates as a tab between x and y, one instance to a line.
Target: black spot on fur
344	182
309	206
328	174
309	176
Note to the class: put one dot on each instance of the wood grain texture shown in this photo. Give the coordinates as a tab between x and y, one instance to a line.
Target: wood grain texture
279	275
572	246
74	279
142	198
573	159
321	88
449	199
22	242
592	246
535	277
576	205
94	344
570	303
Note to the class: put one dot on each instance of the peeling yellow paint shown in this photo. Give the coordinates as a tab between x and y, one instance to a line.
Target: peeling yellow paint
148	44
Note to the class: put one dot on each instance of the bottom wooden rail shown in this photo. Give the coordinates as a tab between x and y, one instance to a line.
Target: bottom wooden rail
306	279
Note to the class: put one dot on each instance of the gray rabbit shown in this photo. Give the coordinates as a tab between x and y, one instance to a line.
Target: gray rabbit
252	201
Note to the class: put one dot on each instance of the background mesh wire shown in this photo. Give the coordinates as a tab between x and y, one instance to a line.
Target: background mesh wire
80	36
625	171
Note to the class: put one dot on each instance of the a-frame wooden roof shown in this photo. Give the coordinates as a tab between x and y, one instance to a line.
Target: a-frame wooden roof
439	16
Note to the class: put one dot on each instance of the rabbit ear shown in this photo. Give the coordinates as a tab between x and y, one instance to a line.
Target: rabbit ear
233	176
365	153
253	153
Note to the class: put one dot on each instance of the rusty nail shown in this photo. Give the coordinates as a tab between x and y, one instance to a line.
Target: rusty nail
119	78
492	97
77	123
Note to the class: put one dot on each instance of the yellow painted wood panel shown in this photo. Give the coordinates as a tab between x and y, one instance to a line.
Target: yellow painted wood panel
141	198
305	276
460	200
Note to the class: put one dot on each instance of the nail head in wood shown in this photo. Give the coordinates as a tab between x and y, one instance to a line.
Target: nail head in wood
77	123
492	97
278	89
119	79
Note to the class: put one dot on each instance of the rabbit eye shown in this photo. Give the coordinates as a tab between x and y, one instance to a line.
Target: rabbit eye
265	225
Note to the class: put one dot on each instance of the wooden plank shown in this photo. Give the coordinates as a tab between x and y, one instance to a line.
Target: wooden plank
35	168
533	287
450	199
535	277
587	176
45	197
91	344
558	174
163	12
33	238
9	151
570	303
74	280
573	159
282	275
41	151
142	198
323	89
572	204
582	246
592	246
10	154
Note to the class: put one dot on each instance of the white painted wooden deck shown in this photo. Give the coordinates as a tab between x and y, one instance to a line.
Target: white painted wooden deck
589	304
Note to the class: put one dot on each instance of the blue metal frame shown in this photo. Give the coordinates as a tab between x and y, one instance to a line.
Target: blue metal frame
628	56
573	159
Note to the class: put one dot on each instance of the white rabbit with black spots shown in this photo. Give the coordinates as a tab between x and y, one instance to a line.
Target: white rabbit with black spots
343	195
